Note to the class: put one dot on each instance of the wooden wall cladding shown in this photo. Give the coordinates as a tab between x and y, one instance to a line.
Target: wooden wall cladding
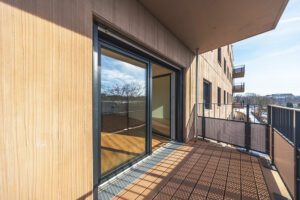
46	90
46	100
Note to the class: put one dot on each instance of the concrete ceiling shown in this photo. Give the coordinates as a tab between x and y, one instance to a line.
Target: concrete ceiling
209	24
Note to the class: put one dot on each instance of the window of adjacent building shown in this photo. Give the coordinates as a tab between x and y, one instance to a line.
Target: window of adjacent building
219	55
219	96
224	65
227	97
207	94
224	97
227	72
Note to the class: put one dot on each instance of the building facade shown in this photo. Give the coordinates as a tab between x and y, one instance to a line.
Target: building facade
87	87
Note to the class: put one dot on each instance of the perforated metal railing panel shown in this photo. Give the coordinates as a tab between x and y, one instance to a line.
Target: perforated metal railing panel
258	137
232	132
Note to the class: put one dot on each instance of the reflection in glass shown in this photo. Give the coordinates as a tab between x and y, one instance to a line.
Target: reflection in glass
123	109
161	100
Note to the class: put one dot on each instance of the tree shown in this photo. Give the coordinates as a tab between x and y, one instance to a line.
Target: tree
133	90
238	98
289	104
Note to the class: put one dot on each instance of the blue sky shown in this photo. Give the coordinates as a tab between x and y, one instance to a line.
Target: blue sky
272	59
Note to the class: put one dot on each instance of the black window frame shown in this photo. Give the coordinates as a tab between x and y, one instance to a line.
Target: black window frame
219	93
228	98
219	55
207	104
225	66
228	73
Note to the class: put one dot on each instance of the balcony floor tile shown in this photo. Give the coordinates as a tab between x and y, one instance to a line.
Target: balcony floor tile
200	170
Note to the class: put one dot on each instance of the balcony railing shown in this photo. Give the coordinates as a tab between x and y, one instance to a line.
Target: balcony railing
239	71
285	145
237	105
238	88
280	139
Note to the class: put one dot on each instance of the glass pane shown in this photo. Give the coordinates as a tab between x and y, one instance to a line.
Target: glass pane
123	109
161	101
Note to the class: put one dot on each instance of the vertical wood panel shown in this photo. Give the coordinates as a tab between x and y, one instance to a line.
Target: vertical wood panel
46	96
46	90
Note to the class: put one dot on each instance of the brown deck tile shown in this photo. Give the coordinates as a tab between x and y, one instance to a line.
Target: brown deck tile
201	170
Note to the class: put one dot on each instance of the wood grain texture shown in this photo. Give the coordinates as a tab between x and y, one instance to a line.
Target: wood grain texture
46	89
46	98
134	21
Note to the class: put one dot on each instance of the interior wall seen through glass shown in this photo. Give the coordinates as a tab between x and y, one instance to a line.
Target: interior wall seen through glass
161	101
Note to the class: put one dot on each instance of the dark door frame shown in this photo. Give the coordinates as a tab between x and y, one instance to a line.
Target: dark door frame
96	85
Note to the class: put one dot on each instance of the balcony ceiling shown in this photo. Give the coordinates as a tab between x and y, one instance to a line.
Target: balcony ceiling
209	24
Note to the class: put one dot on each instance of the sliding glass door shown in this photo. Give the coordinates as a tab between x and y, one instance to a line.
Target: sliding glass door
137	103
123	109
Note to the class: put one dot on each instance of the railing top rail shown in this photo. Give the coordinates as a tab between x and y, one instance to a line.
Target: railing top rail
215	103
238	84
222	104
239	66
286	108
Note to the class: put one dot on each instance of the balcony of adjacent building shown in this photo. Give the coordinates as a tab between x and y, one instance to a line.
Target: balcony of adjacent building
238	71
238	105
225	159
237	88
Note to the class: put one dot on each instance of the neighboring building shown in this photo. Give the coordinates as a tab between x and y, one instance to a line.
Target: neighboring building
90	87
283	99
281	96
216	72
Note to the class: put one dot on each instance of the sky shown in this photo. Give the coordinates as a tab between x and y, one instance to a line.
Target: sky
272	59
115	72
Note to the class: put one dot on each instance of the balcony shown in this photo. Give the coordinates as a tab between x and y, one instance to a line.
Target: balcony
239	71
237	105
238	88
193	171
227	159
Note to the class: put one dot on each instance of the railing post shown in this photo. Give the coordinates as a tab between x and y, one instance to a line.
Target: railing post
203	122
269	128
272	134
272	147
268	139
197	92
248	131
297	157
214	110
